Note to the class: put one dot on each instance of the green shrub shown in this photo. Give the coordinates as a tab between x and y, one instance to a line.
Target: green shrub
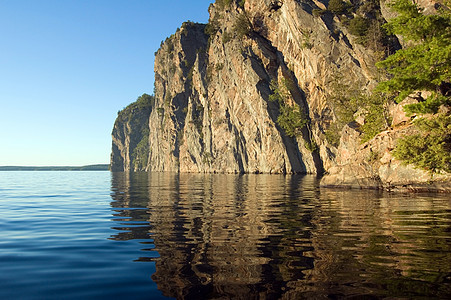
291	119
190	75
209	72
347	99
318	12
423	65
368	32
145	101
431	148
280	93
242	26
188	24
337	7
369	8
333	134
376	38
207	158
373	156
306	42
226	37
429	106
219	67
180	135
376	115
344	99
169	44
212	27
198	117
223	3
311	146
358	26
167	98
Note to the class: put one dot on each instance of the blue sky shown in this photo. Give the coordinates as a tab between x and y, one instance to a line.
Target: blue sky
68	66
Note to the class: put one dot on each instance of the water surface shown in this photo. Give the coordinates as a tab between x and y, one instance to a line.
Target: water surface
99	235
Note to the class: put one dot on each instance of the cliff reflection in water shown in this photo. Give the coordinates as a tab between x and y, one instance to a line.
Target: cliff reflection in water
271	236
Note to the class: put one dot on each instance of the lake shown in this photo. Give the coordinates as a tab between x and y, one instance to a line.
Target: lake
102	235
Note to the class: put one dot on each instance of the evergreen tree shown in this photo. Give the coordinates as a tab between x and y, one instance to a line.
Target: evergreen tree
425	63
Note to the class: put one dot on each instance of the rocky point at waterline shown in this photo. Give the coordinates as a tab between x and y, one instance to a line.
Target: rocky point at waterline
229	96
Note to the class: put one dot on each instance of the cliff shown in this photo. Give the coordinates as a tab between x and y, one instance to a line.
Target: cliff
255	91
130	136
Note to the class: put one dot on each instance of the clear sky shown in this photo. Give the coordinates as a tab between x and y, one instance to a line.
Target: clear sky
68	66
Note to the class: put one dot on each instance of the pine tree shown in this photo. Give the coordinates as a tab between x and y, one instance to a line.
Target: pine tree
425	64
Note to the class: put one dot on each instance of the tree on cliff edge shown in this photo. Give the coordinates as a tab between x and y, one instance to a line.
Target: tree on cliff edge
423	65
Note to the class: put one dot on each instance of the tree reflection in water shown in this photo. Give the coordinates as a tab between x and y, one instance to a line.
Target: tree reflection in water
281	237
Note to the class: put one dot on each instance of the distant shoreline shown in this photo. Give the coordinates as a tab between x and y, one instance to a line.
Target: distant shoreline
99	167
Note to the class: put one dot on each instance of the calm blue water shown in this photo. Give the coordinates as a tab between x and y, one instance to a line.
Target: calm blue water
55	240
101	235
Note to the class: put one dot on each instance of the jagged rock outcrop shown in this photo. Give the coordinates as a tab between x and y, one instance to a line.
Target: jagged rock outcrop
214	109
371	164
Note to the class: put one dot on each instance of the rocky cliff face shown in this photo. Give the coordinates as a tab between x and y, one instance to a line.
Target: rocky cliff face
130	136
371	164
226	93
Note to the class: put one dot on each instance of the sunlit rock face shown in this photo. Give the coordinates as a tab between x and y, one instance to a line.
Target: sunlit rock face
213	110
212	97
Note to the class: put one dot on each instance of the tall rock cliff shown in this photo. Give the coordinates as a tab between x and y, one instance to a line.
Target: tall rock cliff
250	92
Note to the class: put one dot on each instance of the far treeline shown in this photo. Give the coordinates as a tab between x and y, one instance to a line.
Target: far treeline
101	167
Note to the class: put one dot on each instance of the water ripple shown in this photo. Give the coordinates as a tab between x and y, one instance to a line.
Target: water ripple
195	236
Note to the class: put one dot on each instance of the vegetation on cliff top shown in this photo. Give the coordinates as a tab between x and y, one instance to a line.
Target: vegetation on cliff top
223	4
144	102
242	26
